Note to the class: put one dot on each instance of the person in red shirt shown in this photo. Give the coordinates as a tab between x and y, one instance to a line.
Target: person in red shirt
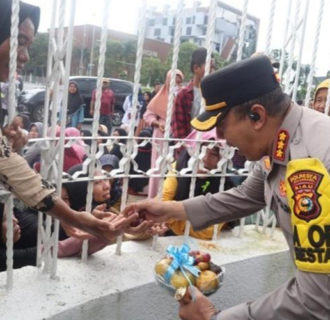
107	104
188	100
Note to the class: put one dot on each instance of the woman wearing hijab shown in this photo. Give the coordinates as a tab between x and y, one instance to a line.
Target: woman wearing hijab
75	117
321	95
33	148
155	116
15	173
178	188
117	145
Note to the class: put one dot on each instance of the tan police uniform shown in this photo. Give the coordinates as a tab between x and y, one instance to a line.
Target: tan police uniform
22	181
296	185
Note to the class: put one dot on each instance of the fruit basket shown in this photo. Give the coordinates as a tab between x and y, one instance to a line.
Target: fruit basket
182	267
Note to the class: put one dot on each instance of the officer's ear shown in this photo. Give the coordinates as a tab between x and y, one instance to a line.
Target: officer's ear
257	116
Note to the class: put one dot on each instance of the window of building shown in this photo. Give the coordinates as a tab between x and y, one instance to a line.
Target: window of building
193	20
171	31
206	18
164	21
188	20
157	32
188	31
151	22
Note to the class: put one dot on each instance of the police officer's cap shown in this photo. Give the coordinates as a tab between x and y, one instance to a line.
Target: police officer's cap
233	85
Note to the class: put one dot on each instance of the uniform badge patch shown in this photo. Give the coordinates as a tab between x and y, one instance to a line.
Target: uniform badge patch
304	185
281	144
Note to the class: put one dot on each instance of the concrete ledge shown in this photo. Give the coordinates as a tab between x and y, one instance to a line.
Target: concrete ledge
122	287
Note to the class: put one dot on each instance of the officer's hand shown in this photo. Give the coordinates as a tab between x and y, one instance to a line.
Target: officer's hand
201	308
157	210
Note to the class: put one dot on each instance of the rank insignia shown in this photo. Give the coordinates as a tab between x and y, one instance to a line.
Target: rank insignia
281	145
304	185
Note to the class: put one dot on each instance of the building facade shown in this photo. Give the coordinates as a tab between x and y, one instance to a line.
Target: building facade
161	24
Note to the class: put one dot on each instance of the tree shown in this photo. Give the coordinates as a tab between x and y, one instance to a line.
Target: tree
38	56
219	62
153	70
185	51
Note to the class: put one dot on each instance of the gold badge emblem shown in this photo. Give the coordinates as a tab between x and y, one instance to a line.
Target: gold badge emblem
304	185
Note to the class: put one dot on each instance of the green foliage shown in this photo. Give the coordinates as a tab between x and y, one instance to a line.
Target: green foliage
38	56
218	61
153	70
119	59
185	51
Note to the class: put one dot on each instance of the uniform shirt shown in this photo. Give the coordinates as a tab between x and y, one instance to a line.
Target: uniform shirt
305	296
107	101
22	181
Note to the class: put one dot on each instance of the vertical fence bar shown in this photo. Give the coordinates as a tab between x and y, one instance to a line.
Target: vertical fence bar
242	31
68	55
170	103
288	88
285	39
302	38
96	116
130	142
314	55
11	114
270	26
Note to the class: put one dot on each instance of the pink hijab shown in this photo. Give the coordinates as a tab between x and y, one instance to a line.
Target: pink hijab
158	104
76	153
206	135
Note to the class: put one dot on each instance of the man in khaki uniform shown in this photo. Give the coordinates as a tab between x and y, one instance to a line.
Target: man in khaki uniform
247	106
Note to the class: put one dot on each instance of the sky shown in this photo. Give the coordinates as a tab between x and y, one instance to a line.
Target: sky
123	16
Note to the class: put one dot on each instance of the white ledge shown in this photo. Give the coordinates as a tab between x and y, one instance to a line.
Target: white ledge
102	284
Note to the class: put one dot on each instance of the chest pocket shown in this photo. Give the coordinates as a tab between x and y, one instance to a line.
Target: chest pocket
308	192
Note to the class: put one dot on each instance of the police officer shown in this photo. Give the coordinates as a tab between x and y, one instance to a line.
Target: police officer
246	104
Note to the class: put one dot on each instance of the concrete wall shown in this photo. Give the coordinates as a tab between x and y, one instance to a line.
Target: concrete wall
122	287
244	281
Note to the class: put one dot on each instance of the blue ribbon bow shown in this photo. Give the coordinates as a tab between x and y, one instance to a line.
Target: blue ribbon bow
181	260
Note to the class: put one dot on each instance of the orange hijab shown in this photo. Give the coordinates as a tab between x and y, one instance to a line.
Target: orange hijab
158	104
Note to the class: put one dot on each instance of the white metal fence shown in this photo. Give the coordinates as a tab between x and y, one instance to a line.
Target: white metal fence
58	66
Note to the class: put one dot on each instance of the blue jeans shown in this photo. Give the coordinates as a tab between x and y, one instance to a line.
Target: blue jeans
106	120
77	117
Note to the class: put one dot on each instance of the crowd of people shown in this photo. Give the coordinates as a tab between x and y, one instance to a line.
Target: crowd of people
258	119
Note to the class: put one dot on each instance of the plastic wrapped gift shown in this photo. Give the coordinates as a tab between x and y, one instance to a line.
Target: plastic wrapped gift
182	267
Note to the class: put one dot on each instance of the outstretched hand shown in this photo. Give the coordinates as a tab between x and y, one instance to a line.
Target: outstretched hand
157	211
199	308
75	232
15	135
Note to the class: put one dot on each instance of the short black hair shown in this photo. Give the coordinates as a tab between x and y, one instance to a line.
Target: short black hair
198	58
275	102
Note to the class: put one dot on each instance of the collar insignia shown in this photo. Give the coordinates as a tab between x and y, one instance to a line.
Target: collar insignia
281	145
